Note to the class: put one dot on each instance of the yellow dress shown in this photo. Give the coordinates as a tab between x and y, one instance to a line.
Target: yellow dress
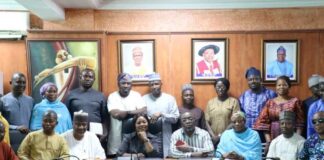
219	113
6	125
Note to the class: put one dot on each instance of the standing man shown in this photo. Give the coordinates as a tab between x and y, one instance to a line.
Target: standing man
161	105
288	144
253	100
17	107
122	104
315	107
314	145
313	84
88	100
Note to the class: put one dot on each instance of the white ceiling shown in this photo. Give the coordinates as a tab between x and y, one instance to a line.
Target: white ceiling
54	9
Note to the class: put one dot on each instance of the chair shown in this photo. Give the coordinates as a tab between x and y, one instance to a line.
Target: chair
264	154
15	139
128	127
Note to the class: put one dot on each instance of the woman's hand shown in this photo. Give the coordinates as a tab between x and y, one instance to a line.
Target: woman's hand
233	155
142	136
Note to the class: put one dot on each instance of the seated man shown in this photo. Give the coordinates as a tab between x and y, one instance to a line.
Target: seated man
6	153
190	141
288	144
313	147
83	144
240	142
44	144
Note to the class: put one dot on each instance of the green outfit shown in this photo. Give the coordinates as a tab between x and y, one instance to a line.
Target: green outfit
38	145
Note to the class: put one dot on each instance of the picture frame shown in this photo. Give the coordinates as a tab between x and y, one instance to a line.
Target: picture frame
60	61
213	50
137	57
280	57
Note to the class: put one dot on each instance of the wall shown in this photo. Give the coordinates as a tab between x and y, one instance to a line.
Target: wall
173	31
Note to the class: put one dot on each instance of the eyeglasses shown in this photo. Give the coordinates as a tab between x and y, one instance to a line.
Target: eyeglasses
317	121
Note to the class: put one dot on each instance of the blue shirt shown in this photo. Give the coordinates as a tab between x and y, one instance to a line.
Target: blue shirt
252	103
63	115
313	148
315	107
17	111
276	69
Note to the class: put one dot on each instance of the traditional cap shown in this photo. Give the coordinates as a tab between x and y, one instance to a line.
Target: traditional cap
287	115
281	48
154	77
252	71
80	115
239	113
211	46
321	79
186	87
137	49
313	80
124	76
45	87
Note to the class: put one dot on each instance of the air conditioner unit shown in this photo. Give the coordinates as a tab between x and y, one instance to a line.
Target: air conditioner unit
14	25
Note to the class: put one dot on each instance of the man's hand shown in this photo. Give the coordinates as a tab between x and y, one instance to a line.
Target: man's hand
199	154
184	148
103	138
215	139
23	129
118	114
140	155
155	117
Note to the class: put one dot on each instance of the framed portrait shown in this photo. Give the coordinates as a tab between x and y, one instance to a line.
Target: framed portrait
280	57
209	60
60	62
137	57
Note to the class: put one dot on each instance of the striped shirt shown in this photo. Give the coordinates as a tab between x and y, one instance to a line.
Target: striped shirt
200	141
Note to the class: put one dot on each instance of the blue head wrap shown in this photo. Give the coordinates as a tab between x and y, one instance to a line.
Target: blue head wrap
252	71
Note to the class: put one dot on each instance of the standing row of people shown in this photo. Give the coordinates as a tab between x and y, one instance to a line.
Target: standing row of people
126	103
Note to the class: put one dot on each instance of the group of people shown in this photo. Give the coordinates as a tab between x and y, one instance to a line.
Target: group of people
87	126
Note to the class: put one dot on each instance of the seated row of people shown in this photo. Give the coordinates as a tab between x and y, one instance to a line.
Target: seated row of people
240	142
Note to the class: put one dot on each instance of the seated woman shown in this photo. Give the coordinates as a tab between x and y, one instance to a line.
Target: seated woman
140	143
239	143
50	102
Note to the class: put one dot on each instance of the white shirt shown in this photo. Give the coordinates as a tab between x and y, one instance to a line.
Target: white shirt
132	102
167	105
286	148
88	147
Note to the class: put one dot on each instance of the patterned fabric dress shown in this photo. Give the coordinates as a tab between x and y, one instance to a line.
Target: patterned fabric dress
269	117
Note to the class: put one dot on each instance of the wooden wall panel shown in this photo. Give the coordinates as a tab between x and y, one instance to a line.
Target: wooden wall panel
173	31
13	59
190	20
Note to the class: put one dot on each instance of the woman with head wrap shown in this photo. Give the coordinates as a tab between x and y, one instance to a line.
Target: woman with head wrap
268	121
49	93
220	109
